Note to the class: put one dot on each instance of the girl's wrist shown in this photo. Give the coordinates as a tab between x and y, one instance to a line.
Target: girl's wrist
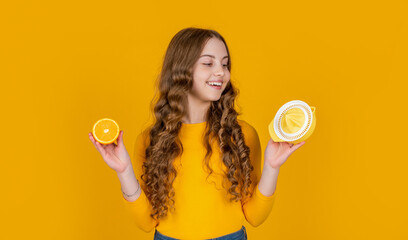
128	171
270	168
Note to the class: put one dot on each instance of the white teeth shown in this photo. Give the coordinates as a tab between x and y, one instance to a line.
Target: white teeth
214	83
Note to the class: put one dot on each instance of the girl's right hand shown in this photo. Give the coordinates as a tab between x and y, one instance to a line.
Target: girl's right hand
116	156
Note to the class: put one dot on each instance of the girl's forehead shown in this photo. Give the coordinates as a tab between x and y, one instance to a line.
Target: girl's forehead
215	47
213	56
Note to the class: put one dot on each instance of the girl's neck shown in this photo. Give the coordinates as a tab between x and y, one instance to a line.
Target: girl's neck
196	111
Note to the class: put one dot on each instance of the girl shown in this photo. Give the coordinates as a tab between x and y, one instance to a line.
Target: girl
196	172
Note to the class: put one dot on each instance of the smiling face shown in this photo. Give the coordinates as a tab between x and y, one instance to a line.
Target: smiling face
211	74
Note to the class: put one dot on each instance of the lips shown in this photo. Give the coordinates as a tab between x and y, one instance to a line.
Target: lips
214	86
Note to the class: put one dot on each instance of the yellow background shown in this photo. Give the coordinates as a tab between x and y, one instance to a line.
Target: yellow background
66	64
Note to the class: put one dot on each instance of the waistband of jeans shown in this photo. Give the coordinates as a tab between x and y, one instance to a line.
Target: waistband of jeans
234	234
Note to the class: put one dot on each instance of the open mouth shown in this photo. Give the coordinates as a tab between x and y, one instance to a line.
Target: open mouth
216	85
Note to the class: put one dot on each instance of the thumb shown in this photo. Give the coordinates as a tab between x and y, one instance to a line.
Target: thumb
298	145
120	139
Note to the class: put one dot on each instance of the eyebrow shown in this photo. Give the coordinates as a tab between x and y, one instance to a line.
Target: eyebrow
207	55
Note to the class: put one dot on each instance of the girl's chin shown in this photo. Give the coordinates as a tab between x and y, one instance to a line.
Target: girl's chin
209	97
214	99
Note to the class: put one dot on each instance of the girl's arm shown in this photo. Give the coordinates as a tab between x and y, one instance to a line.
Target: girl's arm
129	184
267	184
137	206
259	206
276	154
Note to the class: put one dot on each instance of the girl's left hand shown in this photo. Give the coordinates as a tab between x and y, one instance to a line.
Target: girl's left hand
276	153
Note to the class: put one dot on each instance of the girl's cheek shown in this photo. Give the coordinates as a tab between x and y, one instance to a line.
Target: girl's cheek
203	72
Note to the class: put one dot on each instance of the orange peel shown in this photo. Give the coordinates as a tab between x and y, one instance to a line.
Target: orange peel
105	131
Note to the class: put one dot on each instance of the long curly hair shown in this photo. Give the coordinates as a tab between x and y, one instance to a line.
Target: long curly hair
174	82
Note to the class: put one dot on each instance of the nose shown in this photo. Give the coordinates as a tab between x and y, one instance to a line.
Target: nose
220	70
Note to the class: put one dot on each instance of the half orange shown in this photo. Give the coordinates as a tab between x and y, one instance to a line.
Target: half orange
105	131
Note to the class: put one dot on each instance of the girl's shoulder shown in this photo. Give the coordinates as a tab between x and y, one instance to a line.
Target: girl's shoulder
245	125
143	138
247	129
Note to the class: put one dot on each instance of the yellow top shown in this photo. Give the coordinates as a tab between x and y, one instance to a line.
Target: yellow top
202	208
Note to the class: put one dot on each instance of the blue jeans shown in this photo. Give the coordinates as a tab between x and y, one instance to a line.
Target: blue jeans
238	235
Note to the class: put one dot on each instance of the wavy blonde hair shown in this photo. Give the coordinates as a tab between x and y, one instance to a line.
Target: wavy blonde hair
174	82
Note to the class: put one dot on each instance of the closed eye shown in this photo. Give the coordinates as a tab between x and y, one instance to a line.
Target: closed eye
209	64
